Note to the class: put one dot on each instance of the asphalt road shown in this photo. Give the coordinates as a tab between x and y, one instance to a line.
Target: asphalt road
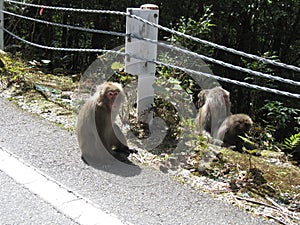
133	194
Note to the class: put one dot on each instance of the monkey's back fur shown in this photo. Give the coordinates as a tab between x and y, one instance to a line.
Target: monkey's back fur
92	148
214	107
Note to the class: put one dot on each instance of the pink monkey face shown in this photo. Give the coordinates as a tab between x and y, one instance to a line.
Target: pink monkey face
111	97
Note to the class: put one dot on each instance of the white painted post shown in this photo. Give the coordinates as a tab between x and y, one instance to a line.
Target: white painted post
1	25
144	50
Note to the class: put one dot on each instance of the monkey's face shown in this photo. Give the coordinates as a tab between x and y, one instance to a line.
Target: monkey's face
244	125
248	123
111	96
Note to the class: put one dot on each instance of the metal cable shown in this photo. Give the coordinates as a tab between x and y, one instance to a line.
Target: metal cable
253	86
219	62
58	49
227	80
209	59
69	9
67	26
231	50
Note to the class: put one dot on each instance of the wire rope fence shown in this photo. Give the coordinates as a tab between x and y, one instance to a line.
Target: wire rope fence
159	43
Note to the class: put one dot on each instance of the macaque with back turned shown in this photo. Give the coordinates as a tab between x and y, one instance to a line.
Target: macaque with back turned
214	106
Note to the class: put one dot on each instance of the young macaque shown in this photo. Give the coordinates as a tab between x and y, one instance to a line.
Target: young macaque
234	126
98	135
214	106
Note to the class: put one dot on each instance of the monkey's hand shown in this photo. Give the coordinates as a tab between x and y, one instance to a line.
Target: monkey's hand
132	150
123	153
126	149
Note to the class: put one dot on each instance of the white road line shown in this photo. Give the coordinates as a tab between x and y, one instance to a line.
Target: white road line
73	205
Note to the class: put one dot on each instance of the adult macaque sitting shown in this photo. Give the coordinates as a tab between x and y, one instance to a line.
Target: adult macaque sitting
99	137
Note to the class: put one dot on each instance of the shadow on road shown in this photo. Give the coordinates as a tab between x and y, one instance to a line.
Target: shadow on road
117	167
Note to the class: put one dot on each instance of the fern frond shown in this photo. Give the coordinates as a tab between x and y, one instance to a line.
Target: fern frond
292	142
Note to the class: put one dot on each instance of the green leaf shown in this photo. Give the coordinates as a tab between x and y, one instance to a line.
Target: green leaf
247	140
251	152
117	66
292	142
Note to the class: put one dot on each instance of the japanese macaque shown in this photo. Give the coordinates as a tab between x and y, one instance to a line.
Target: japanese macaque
214	106
99	137
234	126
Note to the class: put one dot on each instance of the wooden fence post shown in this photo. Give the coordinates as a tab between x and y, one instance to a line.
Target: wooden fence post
1	25
144	50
